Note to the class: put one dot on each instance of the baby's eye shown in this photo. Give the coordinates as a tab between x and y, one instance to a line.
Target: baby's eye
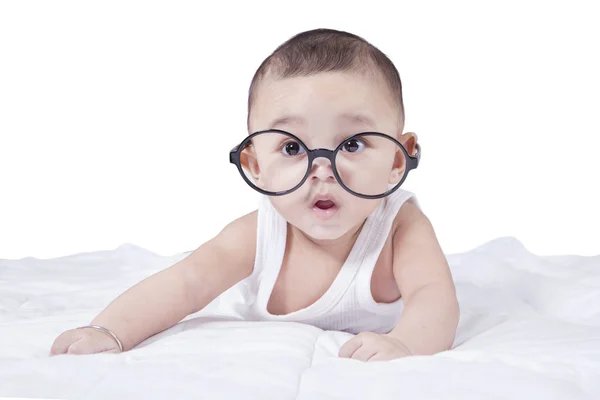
353	146
292	148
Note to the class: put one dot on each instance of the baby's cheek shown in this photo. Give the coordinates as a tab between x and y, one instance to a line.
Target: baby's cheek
365	207
288	206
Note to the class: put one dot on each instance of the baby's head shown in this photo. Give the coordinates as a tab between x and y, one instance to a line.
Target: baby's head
324	86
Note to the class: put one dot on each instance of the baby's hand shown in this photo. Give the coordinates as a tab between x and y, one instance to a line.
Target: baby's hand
369	346
84	341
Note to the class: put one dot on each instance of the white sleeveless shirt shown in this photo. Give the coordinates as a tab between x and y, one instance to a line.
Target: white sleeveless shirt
348	304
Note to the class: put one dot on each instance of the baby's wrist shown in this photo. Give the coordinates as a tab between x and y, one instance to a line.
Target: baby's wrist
107	332
401	343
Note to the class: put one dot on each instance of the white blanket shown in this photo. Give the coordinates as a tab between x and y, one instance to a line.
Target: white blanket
529	329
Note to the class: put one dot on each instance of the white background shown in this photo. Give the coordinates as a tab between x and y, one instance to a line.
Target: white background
116	117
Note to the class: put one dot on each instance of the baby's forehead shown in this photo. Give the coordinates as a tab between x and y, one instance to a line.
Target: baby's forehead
344	123
346	100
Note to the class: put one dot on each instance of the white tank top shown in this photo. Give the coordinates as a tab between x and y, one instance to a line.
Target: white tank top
348	304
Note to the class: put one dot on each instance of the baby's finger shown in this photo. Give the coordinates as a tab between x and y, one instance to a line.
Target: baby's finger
364	353
87	346
350	347
62	343
78	347
380	356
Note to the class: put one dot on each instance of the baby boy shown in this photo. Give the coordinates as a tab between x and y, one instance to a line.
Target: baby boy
335	242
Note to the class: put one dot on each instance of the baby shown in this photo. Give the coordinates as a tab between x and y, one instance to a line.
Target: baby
335	242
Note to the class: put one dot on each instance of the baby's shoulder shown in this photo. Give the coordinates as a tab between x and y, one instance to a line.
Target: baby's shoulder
241	229
238	238
409	215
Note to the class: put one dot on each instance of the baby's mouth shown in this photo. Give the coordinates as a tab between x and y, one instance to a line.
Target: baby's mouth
324	204
324	209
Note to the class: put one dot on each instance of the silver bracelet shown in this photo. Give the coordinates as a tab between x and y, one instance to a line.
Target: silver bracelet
108	332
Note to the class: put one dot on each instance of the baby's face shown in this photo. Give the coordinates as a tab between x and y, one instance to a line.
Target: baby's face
322	110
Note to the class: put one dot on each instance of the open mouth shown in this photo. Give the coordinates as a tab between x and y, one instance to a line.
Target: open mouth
324	209
324	204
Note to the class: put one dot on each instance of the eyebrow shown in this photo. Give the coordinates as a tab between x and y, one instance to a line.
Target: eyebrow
287	119
349	117
358	118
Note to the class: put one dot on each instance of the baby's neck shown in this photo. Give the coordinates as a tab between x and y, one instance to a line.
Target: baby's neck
337	249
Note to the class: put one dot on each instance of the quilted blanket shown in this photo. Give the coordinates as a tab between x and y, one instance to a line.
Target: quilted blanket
529	329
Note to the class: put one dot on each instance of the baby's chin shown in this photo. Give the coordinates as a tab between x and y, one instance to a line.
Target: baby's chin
321	234
319	231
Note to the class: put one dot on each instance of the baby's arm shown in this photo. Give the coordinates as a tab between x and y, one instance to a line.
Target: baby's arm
430	317
165	298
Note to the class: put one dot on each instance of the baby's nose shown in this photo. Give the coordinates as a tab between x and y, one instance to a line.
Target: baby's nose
322	170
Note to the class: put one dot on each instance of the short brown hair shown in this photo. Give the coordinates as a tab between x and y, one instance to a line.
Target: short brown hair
327	50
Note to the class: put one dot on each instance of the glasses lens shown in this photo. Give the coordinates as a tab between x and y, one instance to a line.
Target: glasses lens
370	164
274	162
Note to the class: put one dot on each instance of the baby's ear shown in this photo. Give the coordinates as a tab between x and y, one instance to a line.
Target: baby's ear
250	163
409	141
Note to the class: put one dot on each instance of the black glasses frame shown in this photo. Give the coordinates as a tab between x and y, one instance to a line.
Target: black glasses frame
412	162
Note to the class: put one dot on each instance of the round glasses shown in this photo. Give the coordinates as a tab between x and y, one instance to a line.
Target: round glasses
369	165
